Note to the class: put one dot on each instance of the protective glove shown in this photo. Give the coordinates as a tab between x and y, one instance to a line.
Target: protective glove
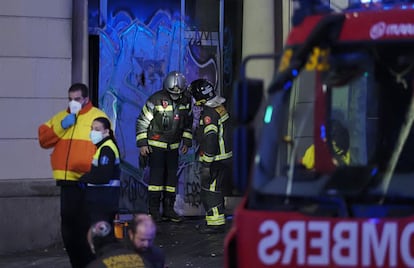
143	161
68	121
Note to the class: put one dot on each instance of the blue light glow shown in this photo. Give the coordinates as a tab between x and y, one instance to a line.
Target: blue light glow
374	220
374	171
295	72
323	132
287	85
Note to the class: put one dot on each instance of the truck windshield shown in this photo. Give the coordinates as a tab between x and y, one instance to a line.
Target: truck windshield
339	119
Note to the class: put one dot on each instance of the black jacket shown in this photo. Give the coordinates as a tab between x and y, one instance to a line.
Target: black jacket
163	123
105	165
214	135
116	255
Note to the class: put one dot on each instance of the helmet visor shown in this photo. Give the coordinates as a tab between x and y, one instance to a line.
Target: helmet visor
175	96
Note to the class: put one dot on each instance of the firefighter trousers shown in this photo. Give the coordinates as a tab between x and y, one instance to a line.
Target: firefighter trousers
212	196
163	169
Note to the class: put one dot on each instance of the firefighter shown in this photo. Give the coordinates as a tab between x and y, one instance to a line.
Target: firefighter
340	147
215	153
165	121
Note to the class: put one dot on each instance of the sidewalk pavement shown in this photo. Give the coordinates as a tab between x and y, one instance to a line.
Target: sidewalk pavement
182	244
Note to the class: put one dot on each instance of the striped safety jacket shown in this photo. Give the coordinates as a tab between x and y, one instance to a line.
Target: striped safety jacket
213	135
72	148
163	123
105	169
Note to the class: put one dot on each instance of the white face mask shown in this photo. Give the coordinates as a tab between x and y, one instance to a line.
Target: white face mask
74	106
96	136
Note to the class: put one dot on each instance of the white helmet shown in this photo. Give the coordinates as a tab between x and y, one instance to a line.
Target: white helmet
175	83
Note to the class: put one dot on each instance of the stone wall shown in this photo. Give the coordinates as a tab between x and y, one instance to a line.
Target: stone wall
35	64
30	215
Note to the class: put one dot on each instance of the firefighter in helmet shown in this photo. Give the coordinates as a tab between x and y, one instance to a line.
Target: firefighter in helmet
215	153
164	122
339	137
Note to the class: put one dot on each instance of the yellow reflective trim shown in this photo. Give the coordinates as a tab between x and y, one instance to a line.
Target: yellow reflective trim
69	175
155	188
347	158
216	219
223	118
215	212
166	109
210	128
223	156
184	107
339	152
169	189
142	136
187	135
174	146
216	216
212	187
207	159
221	139
147	113
158	144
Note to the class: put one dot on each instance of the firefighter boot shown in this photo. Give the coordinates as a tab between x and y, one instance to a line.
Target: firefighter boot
168	208
213	203
154	199
211	229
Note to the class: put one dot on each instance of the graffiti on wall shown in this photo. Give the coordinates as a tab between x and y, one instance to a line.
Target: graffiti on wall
136	53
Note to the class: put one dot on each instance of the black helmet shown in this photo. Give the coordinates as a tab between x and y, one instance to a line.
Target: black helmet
202	91
175	83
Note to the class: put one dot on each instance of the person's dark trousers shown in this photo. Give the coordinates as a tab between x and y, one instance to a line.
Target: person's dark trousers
101	203
74	227
212	183
163	167
163	178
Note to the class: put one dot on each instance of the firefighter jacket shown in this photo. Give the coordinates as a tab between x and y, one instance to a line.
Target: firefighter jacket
163	123
115	254
105	165
72	148
213	135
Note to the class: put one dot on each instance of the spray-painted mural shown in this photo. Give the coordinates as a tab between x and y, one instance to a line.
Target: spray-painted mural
140	42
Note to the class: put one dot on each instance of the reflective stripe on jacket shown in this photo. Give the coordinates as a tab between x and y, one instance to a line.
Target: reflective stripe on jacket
163	123
214	139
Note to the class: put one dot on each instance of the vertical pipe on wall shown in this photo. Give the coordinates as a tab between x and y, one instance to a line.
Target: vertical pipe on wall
80	53
182	20
287	10
278	11
221	46
258	37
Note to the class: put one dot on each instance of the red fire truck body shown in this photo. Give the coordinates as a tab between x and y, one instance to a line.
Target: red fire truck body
331	182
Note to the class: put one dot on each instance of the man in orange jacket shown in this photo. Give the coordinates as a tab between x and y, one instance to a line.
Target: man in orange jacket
67	132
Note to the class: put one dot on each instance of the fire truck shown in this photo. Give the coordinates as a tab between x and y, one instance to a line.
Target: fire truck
328	176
